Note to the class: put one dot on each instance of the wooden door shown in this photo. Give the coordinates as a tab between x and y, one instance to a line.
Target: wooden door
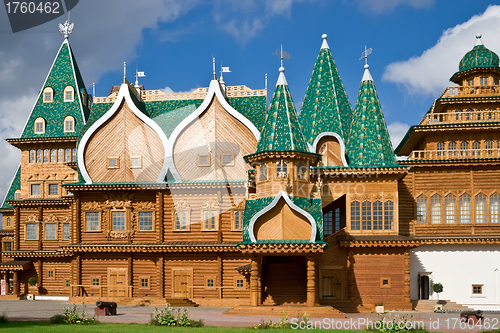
331	284
117	282
182	282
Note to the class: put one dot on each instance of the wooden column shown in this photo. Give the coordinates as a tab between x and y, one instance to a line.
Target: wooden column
40	228
17	223
311	281
219	274
159	216
161	276
406	289
39	269
254	282
130	275
15	292
76	273
77	220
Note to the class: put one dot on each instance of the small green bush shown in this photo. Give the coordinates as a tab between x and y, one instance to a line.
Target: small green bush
196	323
57	319
283	322
169	317
32	281
3	319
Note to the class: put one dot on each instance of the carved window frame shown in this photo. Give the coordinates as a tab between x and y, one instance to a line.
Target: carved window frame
99	220
126	218
45	229
235	213
206	215
64	232
36	225
139	220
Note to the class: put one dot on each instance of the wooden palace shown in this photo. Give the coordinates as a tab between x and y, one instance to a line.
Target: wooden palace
212	198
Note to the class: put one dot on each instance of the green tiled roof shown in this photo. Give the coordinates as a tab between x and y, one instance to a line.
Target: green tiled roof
479	56
252	107
64	72
369	144
312	206
326	107
14	186
282	131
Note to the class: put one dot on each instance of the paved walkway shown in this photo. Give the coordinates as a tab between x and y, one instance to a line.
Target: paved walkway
212	316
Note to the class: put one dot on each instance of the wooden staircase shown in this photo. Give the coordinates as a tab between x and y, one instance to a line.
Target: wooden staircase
424	305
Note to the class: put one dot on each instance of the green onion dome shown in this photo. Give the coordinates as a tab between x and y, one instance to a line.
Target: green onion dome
479	56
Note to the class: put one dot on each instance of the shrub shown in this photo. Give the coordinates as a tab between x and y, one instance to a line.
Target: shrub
283	322
71	316
57	319
32	281
196	323
3	318
169	317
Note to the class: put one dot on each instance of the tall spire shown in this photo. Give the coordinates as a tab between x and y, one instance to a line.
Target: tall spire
369	144
326	107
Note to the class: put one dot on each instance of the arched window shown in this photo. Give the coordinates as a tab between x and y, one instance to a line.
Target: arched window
53	155
69	93
464	147
495	208
39	125
388	215
39	156
32	156
181	221
488	145
464	206
263	172
440	148
377	216
476	146
436	209
67	155
69	124
355	216
48	95
366	215
469	115
46	153
60	155
458	114
17	195
450	209
281	169
480	205
422	209
8	221
301	171
452	147
73	155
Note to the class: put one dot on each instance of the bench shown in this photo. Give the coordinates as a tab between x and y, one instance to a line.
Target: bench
105	308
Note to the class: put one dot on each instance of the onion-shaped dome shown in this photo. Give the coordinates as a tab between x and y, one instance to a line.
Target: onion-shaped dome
479	56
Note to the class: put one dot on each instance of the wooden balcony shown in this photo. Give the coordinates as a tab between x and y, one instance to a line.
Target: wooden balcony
453	154
470	91
461	117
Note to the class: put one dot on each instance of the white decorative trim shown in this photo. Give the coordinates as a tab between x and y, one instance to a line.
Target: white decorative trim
11	182
293	206
123	94
320	136
213	90
76	83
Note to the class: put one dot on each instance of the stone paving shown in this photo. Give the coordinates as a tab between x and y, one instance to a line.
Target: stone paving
212	316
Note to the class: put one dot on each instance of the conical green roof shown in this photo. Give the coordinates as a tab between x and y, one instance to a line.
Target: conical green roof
282	131
63	73
369	144
326	107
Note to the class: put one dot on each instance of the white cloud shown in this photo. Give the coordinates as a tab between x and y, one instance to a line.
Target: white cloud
397	131
169	91
379	6
428	74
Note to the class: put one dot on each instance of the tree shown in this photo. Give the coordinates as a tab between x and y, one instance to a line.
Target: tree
438	288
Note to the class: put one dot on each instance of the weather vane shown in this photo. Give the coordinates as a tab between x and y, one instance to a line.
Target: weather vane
282	54
365	54
66	29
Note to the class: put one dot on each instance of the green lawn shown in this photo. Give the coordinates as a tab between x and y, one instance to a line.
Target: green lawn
41	327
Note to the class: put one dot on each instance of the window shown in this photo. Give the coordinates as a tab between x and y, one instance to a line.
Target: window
39	156
464	206
32	156
69	94
237	220
66	231
67	155
210	220
181	221
7	246
436	211
50	273
48	95
377	215
477	289
480	205
440	148
31	231
301	171
470	82
476	146
50	231
39	126
227	160
488	145
113	163
263	172
495	208
53	155
73	154
422	209
210	283
281	170
144	282
366	218
464	145
92	221
388	215
96	281
36	189
328	223
8	221
484	81
450	209
118	221
355	216
17	195
69	124
68	283
46	154
385	283
53	189
136	162
60	155
458	114
239	283
145	221
203	160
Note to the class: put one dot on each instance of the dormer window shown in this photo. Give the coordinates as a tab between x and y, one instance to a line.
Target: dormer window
39	126
48	95
113	163
69	124
69	94
281	169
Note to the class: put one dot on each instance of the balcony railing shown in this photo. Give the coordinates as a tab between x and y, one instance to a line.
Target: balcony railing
453	154
470	91
461	117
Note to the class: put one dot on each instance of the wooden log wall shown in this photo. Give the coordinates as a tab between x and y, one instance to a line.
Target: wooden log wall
56	285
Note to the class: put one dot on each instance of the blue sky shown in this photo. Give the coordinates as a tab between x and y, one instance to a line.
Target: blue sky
417	45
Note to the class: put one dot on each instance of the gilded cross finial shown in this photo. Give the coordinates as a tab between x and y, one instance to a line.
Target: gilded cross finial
66	29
